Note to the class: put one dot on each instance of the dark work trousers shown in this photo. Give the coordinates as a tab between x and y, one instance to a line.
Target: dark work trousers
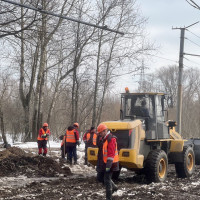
42	144
71	153
109	184
100	177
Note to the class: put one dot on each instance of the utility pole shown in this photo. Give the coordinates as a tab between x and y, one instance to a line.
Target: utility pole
142	78
180	75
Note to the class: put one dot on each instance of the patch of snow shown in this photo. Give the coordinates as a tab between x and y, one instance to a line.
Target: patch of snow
195	183
119	193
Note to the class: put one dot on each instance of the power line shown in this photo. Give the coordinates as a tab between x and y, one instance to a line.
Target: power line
193	33
191	61
193	4
63	17
187	66
193	42
189	54
175	61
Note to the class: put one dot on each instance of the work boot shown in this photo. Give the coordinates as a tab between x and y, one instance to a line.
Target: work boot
114	188
69	162
75	163
44	154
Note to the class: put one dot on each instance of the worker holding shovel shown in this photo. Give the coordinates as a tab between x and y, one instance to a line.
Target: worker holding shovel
42	139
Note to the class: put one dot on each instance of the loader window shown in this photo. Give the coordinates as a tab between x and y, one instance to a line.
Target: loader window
160	108
151	106
131	106
128	107
122	138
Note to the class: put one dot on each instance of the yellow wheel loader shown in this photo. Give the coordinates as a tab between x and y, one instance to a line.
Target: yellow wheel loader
146	142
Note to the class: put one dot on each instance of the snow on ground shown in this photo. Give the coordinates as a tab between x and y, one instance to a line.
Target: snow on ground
31	145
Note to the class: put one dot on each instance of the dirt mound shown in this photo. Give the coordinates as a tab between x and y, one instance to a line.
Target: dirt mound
13	151
15	161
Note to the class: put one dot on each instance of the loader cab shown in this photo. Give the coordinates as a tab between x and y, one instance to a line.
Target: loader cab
148	107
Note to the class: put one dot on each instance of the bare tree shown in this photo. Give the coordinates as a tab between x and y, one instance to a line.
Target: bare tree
10	18
115	54
5	92
67	69
168	77
45	38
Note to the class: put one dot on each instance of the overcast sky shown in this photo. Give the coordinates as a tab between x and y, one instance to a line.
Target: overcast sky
162	16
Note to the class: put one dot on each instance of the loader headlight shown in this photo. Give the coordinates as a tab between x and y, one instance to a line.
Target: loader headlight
125	154
92	152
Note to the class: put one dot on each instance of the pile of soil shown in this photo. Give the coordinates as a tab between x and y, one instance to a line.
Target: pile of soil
15	161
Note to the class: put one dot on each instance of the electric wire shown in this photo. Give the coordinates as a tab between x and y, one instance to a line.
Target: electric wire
196	5
63	17
193	33
187	66
192	61
192	4
193	42
175	61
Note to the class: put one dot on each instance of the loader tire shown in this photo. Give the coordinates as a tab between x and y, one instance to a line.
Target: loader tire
186	168
156	166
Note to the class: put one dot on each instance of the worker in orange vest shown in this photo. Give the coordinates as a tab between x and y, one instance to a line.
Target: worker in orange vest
72	139
90	140
42	139
108	159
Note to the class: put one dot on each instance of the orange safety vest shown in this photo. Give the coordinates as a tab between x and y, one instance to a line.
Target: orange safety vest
70	136
43	132
94	139
105	153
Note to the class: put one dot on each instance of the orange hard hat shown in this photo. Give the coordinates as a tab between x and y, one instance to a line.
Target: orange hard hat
101	128
126	89
45	124
76	124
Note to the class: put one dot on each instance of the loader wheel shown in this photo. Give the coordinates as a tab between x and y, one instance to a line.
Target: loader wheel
156	166
186	168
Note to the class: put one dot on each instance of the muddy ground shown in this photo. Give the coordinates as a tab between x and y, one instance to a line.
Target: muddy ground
26	176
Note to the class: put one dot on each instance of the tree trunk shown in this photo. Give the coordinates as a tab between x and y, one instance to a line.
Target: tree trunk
52	105
3	127
25	101
37	100
76	101
26	124
94	115
73	96
41	103
106	79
